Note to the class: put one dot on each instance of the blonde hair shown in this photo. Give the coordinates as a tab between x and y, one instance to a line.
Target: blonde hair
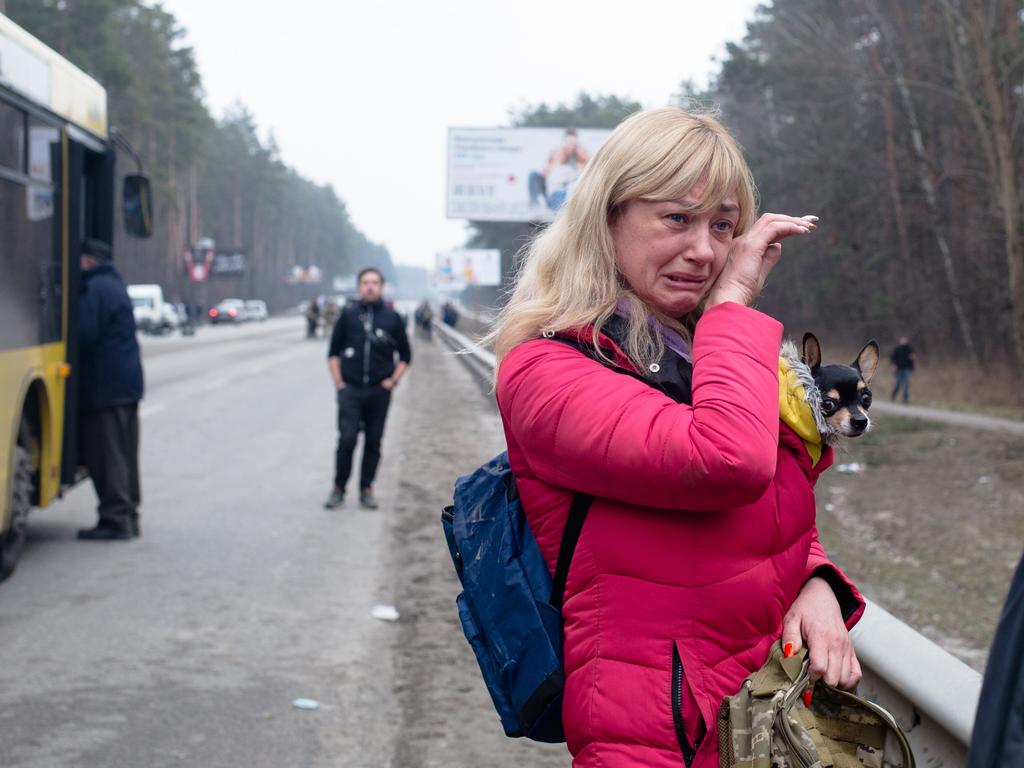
568	276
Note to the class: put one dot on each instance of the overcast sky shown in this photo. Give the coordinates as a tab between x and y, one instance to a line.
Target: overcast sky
360	94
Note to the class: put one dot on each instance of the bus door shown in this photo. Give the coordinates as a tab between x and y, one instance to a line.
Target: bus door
89	182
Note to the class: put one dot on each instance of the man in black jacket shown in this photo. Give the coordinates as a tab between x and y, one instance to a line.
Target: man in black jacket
998	738
902	359
361	359
110	387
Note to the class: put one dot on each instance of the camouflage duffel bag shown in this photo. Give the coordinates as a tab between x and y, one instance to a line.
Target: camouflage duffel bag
767	725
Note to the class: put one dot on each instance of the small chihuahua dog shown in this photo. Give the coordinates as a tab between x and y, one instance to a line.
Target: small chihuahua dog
842	398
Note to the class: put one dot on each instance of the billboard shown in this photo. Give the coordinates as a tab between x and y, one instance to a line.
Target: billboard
455	270
205	259
515	174
299	274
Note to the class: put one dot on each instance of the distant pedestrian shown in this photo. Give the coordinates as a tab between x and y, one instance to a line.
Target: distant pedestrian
331	313
110	387
902	358
361	358
424	317
449	315
312	318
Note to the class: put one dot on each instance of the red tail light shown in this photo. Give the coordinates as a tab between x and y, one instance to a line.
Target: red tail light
213	313
232	313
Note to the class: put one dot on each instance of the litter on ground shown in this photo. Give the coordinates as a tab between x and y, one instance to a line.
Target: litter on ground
852	468
385	612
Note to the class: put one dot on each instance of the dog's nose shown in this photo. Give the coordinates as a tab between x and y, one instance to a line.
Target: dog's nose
859	422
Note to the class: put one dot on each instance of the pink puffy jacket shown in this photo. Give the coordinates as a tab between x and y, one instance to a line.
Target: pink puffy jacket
700	536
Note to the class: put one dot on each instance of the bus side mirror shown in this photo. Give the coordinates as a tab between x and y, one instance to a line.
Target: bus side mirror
138	205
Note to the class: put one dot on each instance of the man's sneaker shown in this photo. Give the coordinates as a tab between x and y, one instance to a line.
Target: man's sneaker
366	499
335	499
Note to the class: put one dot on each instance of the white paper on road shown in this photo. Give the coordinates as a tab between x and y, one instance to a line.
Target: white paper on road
385	612
852	468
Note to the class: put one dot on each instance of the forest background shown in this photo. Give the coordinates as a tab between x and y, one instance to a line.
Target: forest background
213	178
898	122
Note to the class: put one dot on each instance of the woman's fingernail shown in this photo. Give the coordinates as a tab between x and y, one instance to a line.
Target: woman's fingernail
809	217
788	650
808	695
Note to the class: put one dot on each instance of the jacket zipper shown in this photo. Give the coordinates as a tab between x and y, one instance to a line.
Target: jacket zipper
689	752
367	330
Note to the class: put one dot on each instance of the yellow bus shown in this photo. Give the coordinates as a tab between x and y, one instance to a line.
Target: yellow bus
57	182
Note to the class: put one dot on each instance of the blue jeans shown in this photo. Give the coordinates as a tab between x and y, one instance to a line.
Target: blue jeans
902	382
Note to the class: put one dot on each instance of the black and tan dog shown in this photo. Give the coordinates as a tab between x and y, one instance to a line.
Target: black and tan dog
843	397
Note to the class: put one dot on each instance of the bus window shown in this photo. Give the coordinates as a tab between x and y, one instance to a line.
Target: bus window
43	149
12	138
43	160
29	259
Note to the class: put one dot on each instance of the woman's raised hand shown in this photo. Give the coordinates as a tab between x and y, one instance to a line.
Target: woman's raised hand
753	255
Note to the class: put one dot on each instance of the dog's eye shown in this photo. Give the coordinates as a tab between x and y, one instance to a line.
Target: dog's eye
865	398
828	406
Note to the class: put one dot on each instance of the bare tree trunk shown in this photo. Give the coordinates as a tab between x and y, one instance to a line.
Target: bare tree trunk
903	308
237	231
174	216
893	172
928	187
1005	181
195	225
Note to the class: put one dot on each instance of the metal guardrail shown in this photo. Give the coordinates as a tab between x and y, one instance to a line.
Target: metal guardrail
932	694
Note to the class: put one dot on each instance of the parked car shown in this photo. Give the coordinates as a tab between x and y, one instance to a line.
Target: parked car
255	309
152	313
228	311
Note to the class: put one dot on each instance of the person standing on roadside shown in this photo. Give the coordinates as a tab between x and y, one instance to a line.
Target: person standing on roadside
361	358
312	318
902	358
110	387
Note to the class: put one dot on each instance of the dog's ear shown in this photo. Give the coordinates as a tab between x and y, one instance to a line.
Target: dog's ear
811	351
867	361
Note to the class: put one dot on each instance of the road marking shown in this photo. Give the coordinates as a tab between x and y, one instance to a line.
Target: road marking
149	410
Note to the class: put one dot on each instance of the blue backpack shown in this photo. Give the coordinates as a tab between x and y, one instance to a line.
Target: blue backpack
510	606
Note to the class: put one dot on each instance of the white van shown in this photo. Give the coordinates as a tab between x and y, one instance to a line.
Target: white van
255	309
152	313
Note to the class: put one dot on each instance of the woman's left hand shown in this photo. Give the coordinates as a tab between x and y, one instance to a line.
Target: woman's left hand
816	618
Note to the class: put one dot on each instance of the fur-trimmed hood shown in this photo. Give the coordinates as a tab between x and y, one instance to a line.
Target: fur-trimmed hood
800	402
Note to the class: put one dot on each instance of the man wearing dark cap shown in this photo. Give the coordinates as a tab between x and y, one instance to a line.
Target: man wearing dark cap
110	387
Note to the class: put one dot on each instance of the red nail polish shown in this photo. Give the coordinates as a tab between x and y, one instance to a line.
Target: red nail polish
808	695
788	650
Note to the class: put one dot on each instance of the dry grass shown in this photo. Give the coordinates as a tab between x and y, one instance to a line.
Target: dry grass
948	383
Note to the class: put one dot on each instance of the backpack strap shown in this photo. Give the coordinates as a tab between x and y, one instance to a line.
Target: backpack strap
570	536
573	525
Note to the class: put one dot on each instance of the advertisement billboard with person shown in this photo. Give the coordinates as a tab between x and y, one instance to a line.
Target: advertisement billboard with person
515	174
462	268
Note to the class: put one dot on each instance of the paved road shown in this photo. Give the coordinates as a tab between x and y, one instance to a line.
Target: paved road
956	418
185	648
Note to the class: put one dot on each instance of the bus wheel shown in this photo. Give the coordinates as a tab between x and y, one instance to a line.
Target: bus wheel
12	541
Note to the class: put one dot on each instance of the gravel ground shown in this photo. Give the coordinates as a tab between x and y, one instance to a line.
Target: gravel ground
932	526
447	718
